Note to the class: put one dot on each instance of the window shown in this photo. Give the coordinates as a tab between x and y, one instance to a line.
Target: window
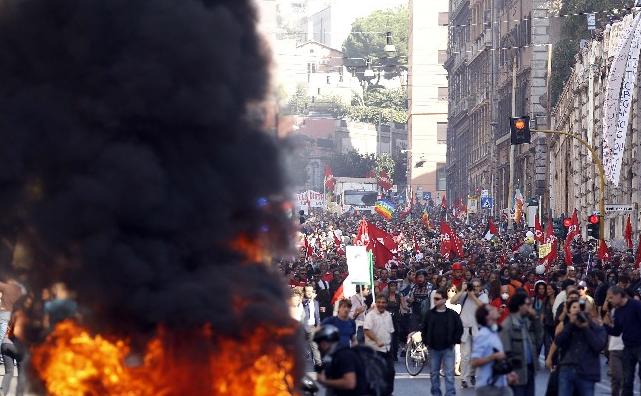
328	80
319	92
442	56
442	93
443	18
441	177
441	132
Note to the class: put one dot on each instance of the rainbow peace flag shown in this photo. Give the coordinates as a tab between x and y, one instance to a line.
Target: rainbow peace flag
385	209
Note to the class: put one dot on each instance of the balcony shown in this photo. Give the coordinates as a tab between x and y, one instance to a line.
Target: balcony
456	6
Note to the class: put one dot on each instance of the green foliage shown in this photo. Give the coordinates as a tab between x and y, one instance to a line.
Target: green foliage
573	30
384	162
386	98
352	164
298	103
400	170
376	115
371	45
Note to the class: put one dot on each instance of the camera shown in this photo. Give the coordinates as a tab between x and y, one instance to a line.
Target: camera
581	318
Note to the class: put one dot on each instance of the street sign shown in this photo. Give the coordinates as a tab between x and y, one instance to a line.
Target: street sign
487	202
591	18
427	195
485	193
618	208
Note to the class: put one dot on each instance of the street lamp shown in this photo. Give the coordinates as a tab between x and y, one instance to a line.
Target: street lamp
389	49
369	73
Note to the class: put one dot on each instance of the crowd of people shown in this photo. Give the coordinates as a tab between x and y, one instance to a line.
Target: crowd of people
493	306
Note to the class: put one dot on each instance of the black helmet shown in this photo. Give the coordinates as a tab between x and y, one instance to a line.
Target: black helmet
327	333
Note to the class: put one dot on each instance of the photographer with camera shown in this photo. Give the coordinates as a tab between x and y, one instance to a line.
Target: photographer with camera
471	297
520	335
493	370
580	342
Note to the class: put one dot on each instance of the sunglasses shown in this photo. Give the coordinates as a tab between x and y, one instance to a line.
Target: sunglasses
437	298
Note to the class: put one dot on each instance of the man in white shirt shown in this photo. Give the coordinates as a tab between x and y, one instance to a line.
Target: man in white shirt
378	331
471	297
359	310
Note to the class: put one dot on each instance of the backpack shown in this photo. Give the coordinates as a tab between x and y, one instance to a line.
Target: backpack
379	376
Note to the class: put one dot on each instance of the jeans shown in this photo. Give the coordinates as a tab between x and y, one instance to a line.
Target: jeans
446	357
360	335
527	389
466	352
5	316
313	348
615	361
631	356
569	381
10	352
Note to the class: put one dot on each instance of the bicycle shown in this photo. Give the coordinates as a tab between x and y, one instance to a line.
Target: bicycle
416	354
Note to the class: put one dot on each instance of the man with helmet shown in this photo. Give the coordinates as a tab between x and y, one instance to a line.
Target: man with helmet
341	373
419	299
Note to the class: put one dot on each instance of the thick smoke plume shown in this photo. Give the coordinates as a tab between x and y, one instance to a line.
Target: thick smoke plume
127	165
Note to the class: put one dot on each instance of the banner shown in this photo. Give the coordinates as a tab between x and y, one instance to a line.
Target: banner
358	264
611	105
613	172
472	204
544	250
312	199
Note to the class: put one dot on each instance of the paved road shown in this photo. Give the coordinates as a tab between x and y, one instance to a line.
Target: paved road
406	385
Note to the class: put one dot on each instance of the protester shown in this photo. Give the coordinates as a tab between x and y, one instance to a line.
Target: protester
487	350
342	372
311	321
441	331
627	323
520	334
359	310
582	340
470	297
346	326
14	345
378	332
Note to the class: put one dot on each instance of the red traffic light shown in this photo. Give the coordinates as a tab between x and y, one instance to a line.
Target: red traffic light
594	219
567	222
520	124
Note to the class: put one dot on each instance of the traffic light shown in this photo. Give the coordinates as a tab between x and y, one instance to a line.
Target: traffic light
567	223
593	226
559	230
520	130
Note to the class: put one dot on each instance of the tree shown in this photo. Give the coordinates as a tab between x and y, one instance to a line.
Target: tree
353	164
298	103
367	39
573	30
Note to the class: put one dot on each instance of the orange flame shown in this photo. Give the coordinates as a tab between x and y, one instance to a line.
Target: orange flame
71	362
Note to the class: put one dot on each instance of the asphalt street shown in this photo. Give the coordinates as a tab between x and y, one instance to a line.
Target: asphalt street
406	385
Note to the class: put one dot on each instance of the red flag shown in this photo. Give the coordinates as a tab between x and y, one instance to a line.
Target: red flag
384	181
538	231
417	248
309	249
603	252
628	233
450	242
444	202
551	239
573	231
637	260
330	181
491	229
425	218
338	245
379	242
446	242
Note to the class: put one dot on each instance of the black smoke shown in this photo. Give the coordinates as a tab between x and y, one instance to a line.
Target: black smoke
128	163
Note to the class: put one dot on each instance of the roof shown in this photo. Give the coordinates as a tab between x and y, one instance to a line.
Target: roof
317	43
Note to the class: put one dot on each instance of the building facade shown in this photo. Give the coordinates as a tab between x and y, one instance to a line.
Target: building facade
573	179
427	97
491	42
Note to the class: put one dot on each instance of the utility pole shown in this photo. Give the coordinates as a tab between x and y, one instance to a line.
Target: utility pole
510	219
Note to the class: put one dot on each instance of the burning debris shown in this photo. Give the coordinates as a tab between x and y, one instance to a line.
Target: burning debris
130	171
